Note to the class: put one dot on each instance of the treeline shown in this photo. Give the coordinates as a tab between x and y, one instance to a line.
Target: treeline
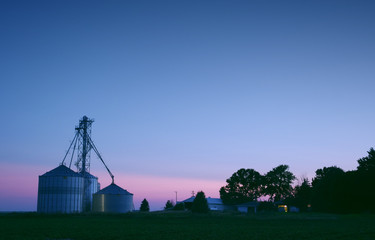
247	185
334	190
331	190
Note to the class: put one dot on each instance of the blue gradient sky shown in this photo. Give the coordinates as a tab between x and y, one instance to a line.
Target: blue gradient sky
185	89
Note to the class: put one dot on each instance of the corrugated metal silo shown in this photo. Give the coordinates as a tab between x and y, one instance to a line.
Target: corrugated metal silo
113	199
91	186
60	191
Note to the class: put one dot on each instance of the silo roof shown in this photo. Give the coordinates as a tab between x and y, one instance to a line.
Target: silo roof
114	189
88	175
61	170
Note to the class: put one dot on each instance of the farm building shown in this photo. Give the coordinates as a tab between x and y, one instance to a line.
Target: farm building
249	207
214	204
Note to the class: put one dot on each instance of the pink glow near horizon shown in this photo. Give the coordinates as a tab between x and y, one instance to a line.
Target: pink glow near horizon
158	190
19	187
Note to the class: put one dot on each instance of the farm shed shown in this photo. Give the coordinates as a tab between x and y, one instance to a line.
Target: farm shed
248	207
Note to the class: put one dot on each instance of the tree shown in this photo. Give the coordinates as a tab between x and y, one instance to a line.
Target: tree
302	195
366	182
367	163
278	183
200	203
245	185
347	196
169	205
326	189
144	206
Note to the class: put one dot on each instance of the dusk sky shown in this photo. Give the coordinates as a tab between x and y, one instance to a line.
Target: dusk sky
183	93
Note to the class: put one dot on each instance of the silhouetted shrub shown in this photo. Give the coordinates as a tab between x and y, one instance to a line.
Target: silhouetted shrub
267	207
144	206
168	205
179	206
200	203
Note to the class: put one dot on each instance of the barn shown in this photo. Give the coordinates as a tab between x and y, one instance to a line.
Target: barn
214	204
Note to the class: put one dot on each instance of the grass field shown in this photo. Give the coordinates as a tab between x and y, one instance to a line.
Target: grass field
184	225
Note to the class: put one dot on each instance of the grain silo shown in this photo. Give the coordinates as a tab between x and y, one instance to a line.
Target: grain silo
91	186
60	191
113	199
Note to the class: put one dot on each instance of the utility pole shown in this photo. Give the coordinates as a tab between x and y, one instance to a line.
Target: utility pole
176	196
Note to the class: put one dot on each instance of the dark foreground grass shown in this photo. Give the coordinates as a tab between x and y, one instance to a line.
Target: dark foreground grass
184	225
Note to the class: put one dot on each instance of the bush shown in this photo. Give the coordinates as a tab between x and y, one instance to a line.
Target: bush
200	203
168	205
267	207
144	206
179	206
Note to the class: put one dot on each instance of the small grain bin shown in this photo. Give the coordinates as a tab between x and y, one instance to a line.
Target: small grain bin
113	199
60	191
